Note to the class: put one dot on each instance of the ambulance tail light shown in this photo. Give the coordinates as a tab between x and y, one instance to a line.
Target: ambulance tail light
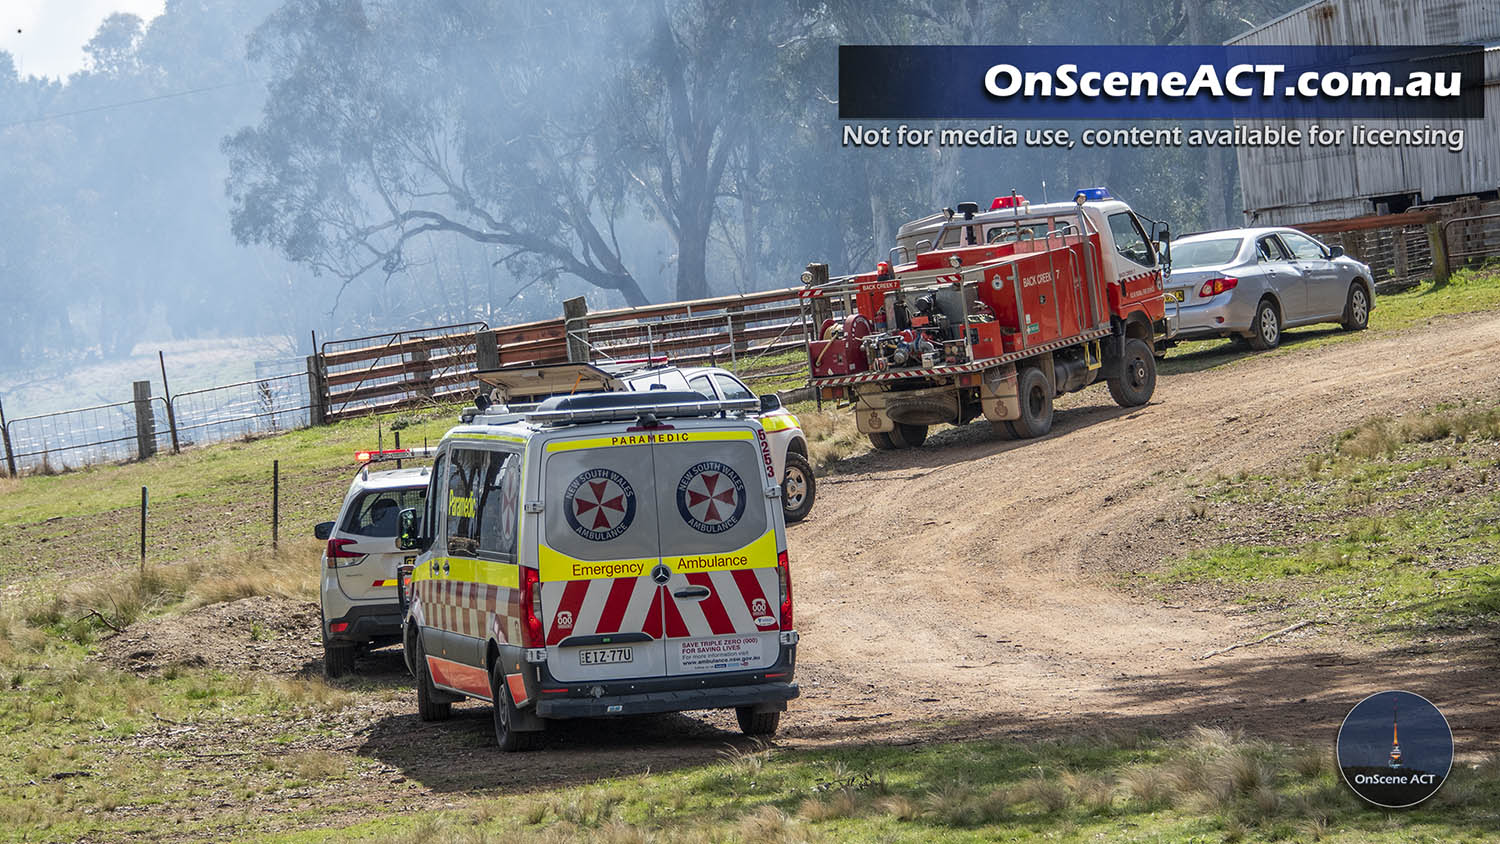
531	604
1215	286
336	552
784	577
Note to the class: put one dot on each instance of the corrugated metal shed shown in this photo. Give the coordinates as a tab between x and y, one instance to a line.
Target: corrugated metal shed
1305	184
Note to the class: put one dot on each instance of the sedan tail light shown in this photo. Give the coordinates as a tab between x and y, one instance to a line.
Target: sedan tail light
1215	286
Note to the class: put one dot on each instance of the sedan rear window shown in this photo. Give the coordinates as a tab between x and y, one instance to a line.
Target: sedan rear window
375	512
1205	253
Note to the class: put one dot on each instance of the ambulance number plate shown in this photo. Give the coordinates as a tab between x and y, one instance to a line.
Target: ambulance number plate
604	656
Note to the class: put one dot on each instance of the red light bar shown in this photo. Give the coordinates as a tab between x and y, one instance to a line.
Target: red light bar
1006	202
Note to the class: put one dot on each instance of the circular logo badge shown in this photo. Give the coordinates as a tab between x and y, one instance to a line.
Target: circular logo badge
711	497
1395	749
599	504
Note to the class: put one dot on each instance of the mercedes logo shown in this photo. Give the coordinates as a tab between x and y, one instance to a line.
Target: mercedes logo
661	574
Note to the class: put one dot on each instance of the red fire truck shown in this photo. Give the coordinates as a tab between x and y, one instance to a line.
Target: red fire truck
993	314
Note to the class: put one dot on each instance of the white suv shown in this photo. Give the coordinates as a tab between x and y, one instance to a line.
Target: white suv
361	608
783	431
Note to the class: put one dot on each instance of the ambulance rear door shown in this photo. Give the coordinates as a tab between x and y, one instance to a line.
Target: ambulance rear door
719	544
601	610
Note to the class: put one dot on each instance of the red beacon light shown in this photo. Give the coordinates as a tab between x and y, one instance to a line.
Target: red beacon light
1002	202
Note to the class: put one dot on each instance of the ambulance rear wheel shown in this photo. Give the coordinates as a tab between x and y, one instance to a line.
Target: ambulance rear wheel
1036	405
760	724
507	737
429	707
1136	381
798	489
908	436
882	441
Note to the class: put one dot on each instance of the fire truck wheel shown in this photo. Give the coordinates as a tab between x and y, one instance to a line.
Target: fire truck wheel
798	489
1036	405
1003	430
1265	331
754	723
507	738
882	441
338	660
1137	379
908	436
428	706
1357	308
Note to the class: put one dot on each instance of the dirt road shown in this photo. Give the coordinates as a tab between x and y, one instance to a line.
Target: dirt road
973	586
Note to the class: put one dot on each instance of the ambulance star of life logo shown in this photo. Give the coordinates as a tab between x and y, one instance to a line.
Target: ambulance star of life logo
599	504
711	497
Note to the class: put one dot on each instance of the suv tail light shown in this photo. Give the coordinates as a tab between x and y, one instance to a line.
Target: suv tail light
1215	286
531	603
784	576
336	552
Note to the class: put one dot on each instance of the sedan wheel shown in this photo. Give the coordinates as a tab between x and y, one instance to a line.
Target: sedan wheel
1357	310
1265	332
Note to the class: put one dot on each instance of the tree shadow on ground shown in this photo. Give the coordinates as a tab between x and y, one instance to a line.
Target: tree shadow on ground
1294	697
1231	350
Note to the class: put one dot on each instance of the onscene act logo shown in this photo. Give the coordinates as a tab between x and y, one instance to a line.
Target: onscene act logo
1395	749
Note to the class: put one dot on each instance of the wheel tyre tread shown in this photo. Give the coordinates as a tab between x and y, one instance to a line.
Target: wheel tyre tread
428	708
1349	323
1255	340
757	724
1029	426
909	436
338	660
508	740
801	463
1120	390
881	440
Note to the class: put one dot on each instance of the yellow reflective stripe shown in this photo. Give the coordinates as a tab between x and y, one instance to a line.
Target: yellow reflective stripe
779	422
469	570
663	438
504	438
757	555
556	566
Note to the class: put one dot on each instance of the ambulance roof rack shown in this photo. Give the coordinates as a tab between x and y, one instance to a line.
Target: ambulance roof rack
619	407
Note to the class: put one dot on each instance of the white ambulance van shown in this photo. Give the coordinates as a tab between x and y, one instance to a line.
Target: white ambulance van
602	554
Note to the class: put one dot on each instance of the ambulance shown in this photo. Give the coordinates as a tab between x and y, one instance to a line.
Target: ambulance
601	554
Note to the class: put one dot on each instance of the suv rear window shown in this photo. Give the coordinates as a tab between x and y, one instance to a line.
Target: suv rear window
375	513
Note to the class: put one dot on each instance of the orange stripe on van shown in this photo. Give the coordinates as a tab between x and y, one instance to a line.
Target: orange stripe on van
456	675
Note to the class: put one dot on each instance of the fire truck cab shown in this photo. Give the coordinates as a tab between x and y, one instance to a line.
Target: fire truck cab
602	554
993	314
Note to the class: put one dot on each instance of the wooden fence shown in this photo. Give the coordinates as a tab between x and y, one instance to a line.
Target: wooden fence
387	371
1426	242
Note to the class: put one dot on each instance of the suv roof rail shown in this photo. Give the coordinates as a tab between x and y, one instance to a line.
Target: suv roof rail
618	407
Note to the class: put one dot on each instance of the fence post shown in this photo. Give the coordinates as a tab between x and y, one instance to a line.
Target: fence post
145	421
576	328
171	411
275	503
317	397
420	375
10	457
1439	245
486	351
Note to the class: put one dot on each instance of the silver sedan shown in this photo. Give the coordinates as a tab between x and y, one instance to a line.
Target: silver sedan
1255	283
